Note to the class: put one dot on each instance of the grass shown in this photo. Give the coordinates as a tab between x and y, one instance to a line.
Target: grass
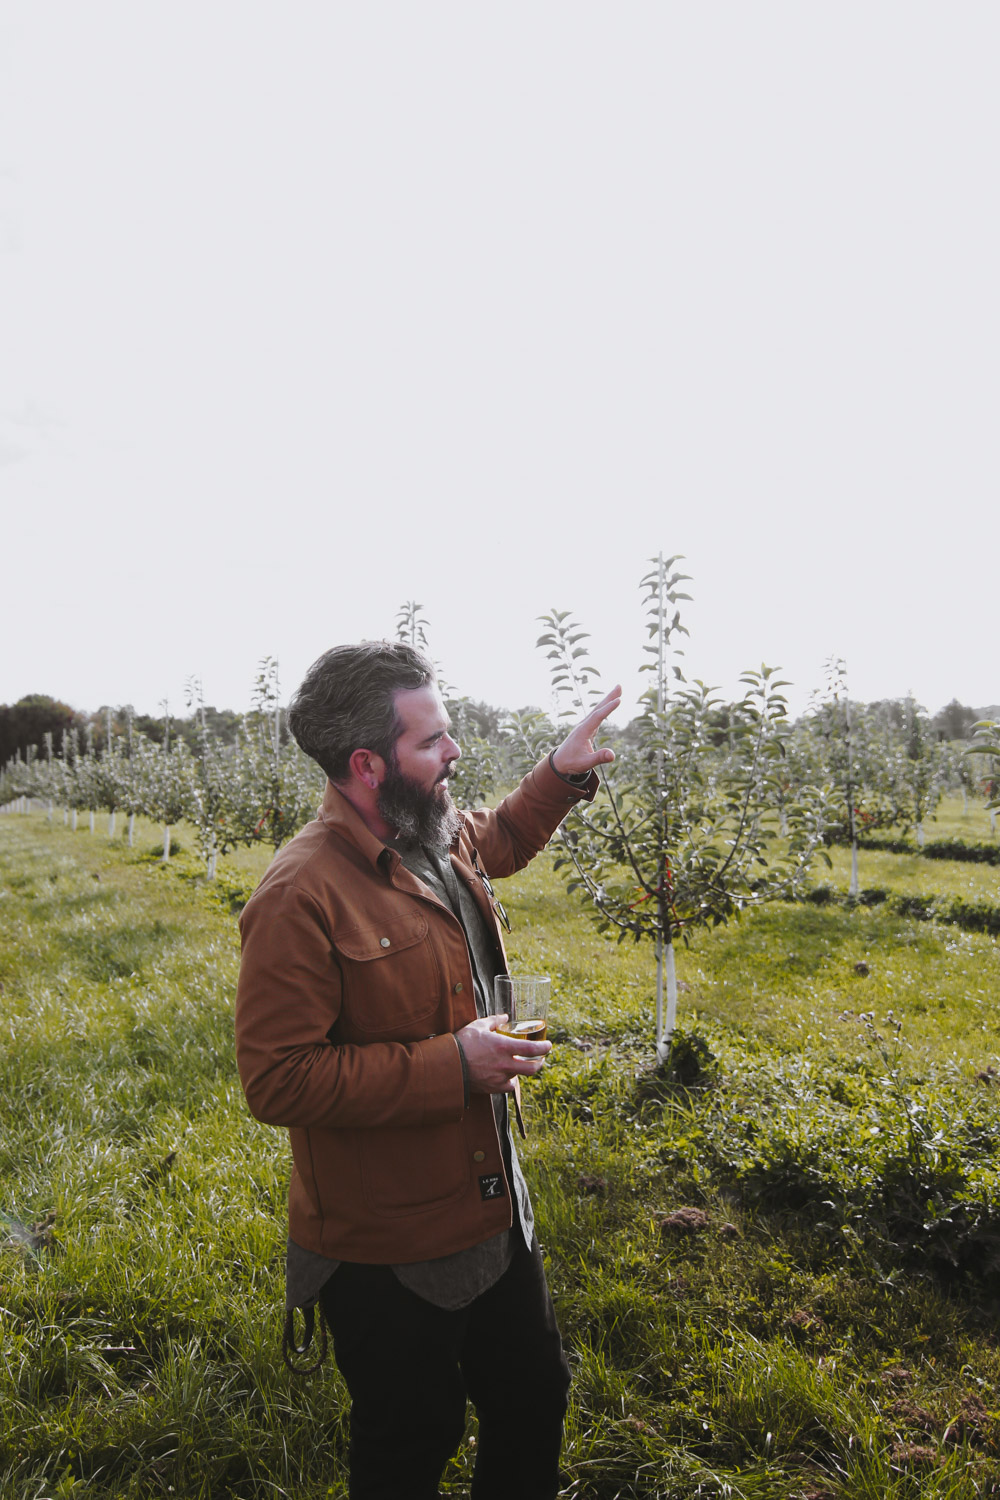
774	1266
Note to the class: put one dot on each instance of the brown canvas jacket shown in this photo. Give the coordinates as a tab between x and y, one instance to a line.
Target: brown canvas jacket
354	977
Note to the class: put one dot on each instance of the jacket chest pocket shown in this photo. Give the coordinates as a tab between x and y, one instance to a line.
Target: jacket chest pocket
391	977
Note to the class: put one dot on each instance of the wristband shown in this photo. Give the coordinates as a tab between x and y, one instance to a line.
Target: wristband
579	778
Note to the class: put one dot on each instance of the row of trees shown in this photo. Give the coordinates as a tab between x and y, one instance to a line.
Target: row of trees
253	786
710	807
238	778
714	807
24	724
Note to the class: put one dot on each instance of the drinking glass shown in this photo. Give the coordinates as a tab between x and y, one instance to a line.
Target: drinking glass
524	999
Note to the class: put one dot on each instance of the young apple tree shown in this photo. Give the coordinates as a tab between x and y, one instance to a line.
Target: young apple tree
984	757
275	788
687	834
164	775
835	721
210	792
478	770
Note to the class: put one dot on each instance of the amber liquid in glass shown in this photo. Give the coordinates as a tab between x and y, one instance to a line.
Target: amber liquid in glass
532	1029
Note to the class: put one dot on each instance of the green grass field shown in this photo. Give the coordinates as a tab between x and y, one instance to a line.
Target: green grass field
775	1264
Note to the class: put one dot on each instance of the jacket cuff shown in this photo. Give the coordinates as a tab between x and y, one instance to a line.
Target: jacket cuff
554	784
444	1080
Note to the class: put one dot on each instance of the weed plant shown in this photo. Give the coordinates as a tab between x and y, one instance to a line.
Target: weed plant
774	1261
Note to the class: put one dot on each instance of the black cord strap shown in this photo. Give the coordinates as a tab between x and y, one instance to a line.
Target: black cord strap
291	1351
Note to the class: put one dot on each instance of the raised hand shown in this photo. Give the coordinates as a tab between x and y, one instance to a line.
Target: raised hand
576	754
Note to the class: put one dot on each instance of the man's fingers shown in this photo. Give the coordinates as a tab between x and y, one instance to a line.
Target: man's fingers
576	754
600	757
525	1068
607	705
600	711
538	1051
513	1045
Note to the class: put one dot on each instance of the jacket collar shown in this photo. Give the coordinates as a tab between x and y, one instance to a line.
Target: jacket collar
339	816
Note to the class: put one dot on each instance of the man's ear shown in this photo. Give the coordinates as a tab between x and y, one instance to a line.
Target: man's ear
368	767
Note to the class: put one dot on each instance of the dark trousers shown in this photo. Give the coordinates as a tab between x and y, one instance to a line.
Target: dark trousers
410	1366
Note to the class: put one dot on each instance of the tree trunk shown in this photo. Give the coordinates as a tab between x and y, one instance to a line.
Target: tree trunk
73	820
91	820
131	829
920	836
111	824
853	889
166	842
666	970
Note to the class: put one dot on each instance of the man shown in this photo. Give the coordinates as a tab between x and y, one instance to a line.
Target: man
364	1024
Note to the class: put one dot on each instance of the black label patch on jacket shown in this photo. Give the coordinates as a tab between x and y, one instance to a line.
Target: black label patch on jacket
491	1186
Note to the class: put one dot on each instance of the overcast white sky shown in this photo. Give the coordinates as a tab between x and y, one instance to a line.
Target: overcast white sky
307	309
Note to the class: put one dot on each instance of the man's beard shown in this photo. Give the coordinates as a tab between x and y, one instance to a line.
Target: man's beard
418	816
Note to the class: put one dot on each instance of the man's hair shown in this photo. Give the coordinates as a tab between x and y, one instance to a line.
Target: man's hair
347	701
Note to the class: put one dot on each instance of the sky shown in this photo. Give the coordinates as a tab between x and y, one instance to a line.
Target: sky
312	308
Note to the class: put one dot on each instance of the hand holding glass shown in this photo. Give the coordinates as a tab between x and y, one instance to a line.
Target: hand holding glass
524	999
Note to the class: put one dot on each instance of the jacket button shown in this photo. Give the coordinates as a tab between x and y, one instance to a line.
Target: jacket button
479	1156
458	988
383	942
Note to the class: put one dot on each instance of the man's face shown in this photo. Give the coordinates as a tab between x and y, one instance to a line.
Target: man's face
413	797
424	752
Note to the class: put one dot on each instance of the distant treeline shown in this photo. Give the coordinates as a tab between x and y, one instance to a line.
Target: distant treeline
25	724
